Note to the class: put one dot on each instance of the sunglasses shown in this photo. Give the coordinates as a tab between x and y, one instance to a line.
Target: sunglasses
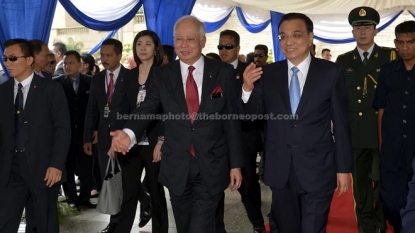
11	58
259	55
52	62
226	46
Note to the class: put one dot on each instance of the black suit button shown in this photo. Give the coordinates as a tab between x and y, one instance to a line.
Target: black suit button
293	126
288	145
192	129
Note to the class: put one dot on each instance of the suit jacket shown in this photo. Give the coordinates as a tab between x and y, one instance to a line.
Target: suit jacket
46	128
408	213
59	69
121	104
77	103
216	142
362	115
251	130
304	143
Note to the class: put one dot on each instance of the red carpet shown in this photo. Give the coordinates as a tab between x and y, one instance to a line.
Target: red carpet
342	218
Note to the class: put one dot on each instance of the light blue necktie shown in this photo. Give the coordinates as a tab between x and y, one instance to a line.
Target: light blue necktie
294	90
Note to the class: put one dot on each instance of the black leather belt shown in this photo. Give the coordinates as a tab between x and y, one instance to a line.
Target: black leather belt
16	150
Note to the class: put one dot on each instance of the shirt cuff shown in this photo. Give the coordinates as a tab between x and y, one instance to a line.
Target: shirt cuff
130	134
245	95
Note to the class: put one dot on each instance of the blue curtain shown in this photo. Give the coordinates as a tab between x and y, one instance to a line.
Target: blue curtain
275	20
28	19
253	28
213	26
95	24
161	15
98	46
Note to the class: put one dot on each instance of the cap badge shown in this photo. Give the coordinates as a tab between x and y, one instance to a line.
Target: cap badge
362	12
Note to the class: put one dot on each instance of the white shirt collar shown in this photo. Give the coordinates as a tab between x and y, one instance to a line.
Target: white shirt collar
235	63
199	64
116	72
303	66
25	82
361	51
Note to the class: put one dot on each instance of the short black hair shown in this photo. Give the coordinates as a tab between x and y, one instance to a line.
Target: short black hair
405	27
36	45
263	47
61	47
117	44
301	16
74	53
25	46
213	56
90	60
169	52
232	34
324	50
250	58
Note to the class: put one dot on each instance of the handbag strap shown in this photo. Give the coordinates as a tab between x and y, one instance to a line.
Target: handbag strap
113	161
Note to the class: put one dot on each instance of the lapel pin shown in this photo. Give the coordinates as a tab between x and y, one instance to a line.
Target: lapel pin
34	86
210	75
376	55
354	57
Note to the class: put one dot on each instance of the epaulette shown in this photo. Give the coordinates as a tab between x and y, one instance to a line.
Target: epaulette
344	54
387	48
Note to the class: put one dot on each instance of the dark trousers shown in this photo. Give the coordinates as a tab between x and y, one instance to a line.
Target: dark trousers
250	191
132	166
195	210
77	160
394	192
294	210
15	195
96	170
366	190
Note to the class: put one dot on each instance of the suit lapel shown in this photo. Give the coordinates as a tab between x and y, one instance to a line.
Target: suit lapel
34	92
177	84
373	59
209	79
10	95
309	86
119	85
100	79
282	76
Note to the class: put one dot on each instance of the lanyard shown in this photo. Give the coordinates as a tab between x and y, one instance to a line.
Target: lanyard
113	87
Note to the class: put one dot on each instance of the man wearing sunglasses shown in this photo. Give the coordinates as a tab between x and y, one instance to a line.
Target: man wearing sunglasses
50	67
260	55
251	141
41	53
34	133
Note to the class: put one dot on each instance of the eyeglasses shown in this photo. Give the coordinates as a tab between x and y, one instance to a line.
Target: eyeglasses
189	40
11	58
52	62
226	46
259	55
295	35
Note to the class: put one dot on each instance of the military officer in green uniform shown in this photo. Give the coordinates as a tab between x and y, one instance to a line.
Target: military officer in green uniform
362	67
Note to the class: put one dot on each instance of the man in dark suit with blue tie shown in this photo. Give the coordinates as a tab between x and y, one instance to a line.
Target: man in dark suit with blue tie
301	95
201	156
34	136
76	87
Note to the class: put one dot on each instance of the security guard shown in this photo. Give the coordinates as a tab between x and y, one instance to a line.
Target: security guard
362	66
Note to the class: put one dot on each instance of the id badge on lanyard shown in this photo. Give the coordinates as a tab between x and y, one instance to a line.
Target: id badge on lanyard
106	111
141	95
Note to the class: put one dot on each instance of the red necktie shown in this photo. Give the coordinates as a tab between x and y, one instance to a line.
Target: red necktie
109	89
192	100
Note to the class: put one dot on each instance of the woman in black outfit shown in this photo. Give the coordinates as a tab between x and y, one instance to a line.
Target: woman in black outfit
148	53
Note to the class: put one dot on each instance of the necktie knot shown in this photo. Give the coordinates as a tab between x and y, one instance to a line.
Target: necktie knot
20	86
111	75
191	69
365	54
295	70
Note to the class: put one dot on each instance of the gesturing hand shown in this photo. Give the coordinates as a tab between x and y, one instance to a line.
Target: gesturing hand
120	141
251	75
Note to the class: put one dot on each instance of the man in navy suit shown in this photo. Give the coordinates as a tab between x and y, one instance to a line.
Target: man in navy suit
35	132
408	213
301	95
201	157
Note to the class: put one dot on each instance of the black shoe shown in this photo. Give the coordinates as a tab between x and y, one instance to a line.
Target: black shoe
259	229
73	205
87	204
145	216
110	228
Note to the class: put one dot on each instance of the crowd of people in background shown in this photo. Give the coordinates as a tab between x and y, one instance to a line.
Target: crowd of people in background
352	116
